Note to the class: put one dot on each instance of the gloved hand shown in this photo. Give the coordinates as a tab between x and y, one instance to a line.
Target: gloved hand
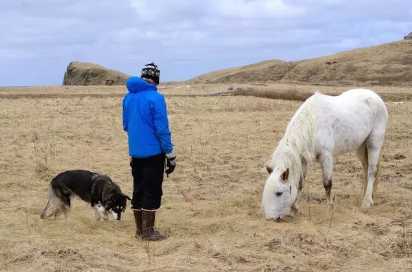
170	163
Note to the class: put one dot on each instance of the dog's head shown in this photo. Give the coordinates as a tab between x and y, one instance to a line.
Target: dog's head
117	204
113	200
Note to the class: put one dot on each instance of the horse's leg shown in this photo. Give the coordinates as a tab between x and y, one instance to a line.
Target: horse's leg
362	153
326	161
373	147
302	178
295	208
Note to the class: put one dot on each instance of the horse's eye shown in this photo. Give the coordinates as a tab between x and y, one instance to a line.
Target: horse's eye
278	193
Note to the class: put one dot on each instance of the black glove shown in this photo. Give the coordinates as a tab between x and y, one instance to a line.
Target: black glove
170	163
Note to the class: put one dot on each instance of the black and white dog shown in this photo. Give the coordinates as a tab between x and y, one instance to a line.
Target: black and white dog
99	190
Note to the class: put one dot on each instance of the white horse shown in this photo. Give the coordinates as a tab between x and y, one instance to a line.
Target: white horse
323	127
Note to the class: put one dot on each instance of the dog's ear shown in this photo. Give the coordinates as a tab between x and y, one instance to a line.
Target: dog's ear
107	194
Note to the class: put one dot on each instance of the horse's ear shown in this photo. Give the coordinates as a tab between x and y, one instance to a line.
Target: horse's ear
285	175
268	167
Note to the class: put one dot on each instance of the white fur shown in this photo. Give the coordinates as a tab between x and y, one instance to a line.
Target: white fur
114	214
100	211
323	127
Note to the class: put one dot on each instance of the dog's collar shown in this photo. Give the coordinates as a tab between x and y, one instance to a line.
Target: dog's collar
94	178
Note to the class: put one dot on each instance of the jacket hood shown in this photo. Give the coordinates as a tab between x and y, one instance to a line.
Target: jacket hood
136	84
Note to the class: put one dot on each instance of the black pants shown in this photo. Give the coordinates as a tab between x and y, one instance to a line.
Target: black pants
147	182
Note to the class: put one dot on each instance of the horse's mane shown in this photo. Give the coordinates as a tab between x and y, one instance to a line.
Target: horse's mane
296	148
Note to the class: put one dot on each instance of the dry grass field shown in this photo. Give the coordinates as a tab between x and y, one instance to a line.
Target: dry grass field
211	205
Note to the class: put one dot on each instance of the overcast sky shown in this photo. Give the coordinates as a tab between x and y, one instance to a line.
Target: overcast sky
38	38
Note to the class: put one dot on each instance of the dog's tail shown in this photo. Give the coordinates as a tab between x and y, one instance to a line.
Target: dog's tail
51	199
44	212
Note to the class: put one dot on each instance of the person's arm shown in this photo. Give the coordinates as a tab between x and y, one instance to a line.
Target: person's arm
161	123
124	114
163	133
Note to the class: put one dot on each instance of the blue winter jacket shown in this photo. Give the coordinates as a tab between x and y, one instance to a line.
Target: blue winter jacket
145	120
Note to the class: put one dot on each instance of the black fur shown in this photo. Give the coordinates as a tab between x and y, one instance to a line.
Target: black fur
90	187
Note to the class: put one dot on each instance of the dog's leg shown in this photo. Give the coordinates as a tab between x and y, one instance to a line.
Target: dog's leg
106	215
114	215
96	212
52	209
66	212
99	211
56	213
59	210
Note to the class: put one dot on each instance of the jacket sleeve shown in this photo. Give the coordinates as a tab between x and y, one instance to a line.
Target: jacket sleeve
124	116
161	124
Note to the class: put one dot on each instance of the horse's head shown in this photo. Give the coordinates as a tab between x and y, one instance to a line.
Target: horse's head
279	194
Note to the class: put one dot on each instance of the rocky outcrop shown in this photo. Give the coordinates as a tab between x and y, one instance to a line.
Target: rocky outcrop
83	73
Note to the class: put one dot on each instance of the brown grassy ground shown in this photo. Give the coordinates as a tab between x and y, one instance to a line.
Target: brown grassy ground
211	204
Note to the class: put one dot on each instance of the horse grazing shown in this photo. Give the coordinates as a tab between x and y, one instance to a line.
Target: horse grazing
323	127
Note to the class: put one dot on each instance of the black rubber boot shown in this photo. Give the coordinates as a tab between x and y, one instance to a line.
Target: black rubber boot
138	221
149	233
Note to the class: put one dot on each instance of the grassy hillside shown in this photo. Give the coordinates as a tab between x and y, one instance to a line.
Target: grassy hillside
387	64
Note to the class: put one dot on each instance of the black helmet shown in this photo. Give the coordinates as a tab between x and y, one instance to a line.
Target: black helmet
151	71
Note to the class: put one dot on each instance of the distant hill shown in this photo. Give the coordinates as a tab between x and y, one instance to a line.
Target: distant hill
83	73
387	64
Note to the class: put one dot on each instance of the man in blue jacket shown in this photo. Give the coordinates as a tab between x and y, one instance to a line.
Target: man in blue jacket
146	123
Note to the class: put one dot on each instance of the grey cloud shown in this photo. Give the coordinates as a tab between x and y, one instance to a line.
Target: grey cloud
185	37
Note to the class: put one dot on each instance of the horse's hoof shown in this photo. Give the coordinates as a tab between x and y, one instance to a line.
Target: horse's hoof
330	201
366	204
